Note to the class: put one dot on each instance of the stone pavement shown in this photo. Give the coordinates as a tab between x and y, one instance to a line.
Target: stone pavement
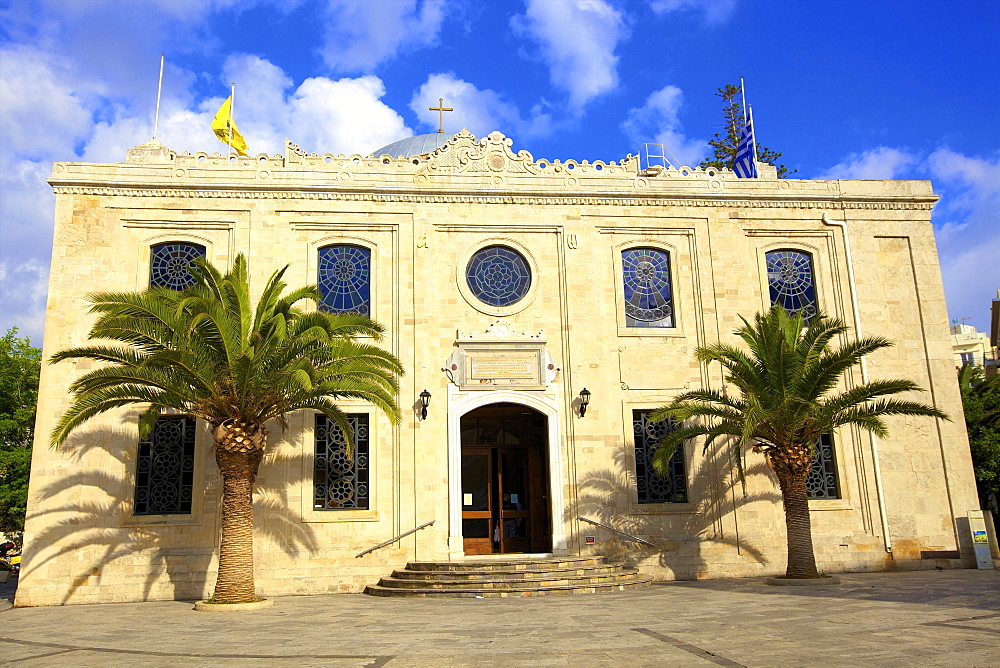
926	618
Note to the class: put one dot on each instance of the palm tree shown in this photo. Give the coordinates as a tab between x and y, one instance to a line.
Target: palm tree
208	353
786	401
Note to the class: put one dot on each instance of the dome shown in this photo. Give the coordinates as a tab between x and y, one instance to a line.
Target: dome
419	145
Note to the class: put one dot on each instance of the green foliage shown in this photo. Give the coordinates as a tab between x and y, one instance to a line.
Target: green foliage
786	388
208	352
724	144
19	368
981	401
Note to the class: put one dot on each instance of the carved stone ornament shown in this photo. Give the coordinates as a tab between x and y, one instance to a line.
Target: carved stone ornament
490	155
500	358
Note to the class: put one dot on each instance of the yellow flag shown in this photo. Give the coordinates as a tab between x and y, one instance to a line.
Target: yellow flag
222	123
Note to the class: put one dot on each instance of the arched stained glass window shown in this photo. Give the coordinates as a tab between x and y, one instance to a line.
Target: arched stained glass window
170	264
345	279
791	281
498	276
648	295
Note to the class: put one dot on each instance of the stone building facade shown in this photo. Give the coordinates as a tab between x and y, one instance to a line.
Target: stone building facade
507	285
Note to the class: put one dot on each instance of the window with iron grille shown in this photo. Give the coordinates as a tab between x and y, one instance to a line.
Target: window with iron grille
653	486
822	480
170	264
340	481
165	468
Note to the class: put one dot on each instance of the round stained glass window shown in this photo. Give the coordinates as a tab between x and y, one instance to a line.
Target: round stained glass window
498	276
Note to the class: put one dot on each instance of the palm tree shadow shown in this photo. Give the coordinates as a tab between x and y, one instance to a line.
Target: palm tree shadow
87	534
680	539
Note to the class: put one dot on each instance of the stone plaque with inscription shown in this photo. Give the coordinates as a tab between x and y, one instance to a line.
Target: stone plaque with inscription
500	358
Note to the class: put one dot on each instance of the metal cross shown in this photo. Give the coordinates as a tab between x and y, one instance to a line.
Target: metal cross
440	109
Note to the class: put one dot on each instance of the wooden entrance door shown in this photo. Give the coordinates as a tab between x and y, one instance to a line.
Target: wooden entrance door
504	482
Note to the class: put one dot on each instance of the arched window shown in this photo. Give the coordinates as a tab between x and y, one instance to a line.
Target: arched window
170	264
791	281
648	294
498	276
345	279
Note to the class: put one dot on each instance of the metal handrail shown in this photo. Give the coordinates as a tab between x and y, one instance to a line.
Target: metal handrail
620	533
393	539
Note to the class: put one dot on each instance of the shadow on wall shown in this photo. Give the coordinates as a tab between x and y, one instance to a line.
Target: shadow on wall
85	525
679	538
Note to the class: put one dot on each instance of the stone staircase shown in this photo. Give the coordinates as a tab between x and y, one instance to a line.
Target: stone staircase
508	576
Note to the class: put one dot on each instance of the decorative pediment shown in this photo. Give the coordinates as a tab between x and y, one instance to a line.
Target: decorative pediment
490	155
500	358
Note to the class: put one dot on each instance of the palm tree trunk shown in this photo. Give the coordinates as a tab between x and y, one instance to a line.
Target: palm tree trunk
238	452
798	530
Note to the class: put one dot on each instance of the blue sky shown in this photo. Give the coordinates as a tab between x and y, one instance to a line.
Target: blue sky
846	89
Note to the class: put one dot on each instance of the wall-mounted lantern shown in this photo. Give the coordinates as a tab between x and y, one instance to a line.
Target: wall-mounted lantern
584	401
425	401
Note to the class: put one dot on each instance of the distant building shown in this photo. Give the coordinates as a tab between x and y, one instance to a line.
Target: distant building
507	284
995	330
970	346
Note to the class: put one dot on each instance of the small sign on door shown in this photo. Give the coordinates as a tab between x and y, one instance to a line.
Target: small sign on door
467	499
590	540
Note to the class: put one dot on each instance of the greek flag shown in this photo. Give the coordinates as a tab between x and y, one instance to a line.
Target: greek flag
744	164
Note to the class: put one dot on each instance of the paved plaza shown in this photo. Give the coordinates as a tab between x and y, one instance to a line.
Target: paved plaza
928	618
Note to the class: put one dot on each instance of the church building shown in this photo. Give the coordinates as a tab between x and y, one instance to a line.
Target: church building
541	309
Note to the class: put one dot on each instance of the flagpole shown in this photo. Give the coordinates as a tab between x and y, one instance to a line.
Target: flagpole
743	94
159	90
753	136
232	101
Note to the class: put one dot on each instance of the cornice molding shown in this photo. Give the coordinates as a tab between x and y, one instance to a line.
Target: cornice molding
915	203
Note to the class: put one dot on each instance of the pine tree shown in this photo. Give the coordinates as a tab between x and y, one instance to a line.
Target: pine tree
724	145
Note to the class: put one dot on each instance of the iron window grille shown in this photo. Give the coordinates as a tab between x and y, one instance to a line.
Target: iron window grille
653	486
822	480
170	264
165	468
340	482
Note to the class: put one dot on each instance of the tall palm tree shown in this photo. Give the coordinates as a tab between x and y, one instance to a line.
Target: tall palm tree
208	353
786	400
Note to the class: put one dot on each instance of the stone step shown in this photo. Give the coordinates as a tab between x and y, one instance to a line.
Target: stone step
506	574
509	583
377	590
507	564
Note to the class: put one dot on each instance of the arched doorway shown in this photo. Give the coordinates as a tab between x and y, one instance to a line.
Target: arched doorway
505	480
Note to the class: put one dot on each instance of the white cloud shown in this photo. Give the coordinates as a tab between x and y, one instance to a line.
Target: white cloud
882	162
362	34
657	122
481	111
716	11
967	228
57	108
577	39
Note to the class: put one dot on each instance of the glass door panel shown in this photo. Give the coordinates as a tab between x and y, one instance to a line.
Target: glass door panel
514	501
478	525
